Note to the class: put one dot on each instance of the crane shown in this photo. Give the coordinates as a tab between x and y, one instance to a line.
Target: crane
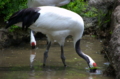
36	3
56	23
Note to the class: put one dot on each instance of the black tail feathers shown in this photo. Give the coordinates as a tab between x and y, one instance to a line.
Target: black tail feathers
26	16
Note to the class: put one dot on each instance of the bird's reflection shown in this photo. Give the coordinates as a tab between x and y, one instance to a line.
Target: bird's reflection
90	77
93	75
32	57
48	73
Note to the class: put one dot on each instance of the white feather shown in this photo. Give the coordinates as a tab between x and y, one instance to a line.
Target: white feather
32	56
32	38
58	23
91	60
36	3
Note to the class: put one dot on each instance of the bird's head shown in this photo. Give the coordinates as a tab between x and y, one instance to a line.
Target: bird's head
13	19
93	67
8	24
91	63
33	44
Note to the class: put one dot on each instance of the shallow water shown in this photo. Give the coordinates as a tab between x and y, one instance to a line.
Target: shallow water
15	62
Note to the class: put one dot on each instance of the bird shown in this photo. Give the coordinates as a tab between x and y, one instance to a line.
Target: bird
56	23
36	3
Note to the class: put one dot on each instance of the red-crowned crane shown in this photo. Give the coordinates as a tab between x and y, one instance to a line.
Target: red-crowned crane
56	23
36	3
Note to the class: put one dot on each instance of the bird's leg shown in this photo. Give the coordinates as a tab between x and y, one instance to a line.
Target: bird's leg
62	56
78	51
46	53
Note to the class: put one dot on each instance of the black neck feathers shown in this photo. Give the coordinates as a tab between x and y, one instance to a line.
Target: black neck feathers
77	48
26	16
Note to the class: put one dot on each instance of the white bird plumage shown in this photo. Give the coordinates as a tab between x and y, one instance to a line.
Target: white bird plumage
32	39
57	26
56	23
36	3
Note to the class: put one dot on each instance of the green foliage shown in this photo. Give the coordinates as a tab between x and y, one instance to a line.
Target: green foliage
93	36
13	28
82	8
8	7
111	32
103	17
100	17
92	12
2	3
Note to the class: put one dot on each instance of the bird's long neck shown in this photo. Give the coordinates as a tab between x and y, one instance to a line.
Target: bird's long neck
79	52
32	39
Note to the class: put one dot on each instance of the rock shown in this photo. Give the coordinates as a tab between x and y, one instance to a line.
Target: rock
114	51
90	22
98	3
114	44
8	39
113	48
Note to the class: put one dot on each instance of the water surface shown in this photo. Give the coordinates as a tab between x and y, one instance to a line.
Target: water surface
15	62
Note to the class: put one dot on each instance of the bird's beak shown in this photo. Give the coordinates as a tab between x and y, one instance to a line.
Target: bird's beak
93	70
33	44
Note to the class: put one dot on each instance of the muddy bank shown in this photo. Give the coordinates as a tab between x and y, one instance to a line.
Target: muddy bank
18	38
